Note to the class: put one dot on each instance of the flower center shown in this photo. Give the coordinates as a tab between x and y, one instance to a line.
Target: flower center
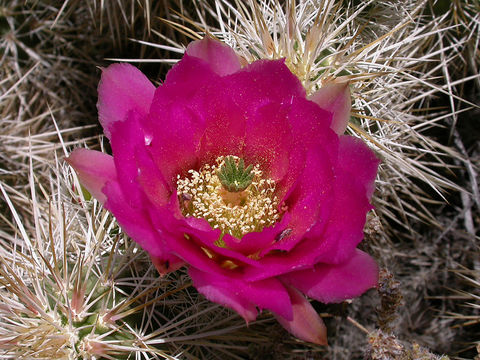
232	198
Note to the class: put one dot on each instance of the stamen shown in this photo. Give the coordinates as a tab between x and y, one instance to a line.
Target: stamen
248	209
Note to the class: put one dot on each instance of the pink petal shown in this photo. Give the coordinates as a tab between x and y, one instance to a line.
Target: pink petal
335	97
270	151
267	294
310	195
221	58
303	256
178	116
306	324
179	237
186	77
126	136
223	104
94	169
337	239
334	236
173	132
224	123
252	243
280	262
261	82
135	222
332	240
193	241
150	179
218	291
357	159
122	88
355	175
192	254
203	234
167	264
310	126
336	283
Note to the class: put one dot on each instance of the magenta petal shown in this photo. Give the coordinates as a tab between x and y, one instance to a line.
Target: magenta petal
262	82
335	97
266	294
173	129
150	179
303	256
272	151
310	195
173	134
192	254
180	238
277	263
335	283
186	77
221	58
354	183
134	222
166	264
94	169
332	240
224	123
357	159
122	88
205	236
126	136
341	219
306	324
252	243
344	231
215	289
306	117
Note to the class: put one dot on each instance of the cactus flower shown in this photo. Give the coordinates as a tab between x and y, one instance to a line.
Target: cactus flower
234	172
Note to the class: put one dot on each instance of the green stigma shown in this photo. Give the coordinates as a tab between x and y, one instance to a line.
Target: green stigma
233	175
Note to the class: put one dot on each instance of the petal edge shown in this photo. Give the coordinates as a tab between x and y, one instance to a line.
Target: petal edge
306	325
94	169
335	97
335	283
222	58
122	88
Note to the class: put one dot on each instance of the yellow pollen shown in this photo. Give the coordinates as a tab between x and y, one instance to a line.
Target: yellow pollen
202	195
